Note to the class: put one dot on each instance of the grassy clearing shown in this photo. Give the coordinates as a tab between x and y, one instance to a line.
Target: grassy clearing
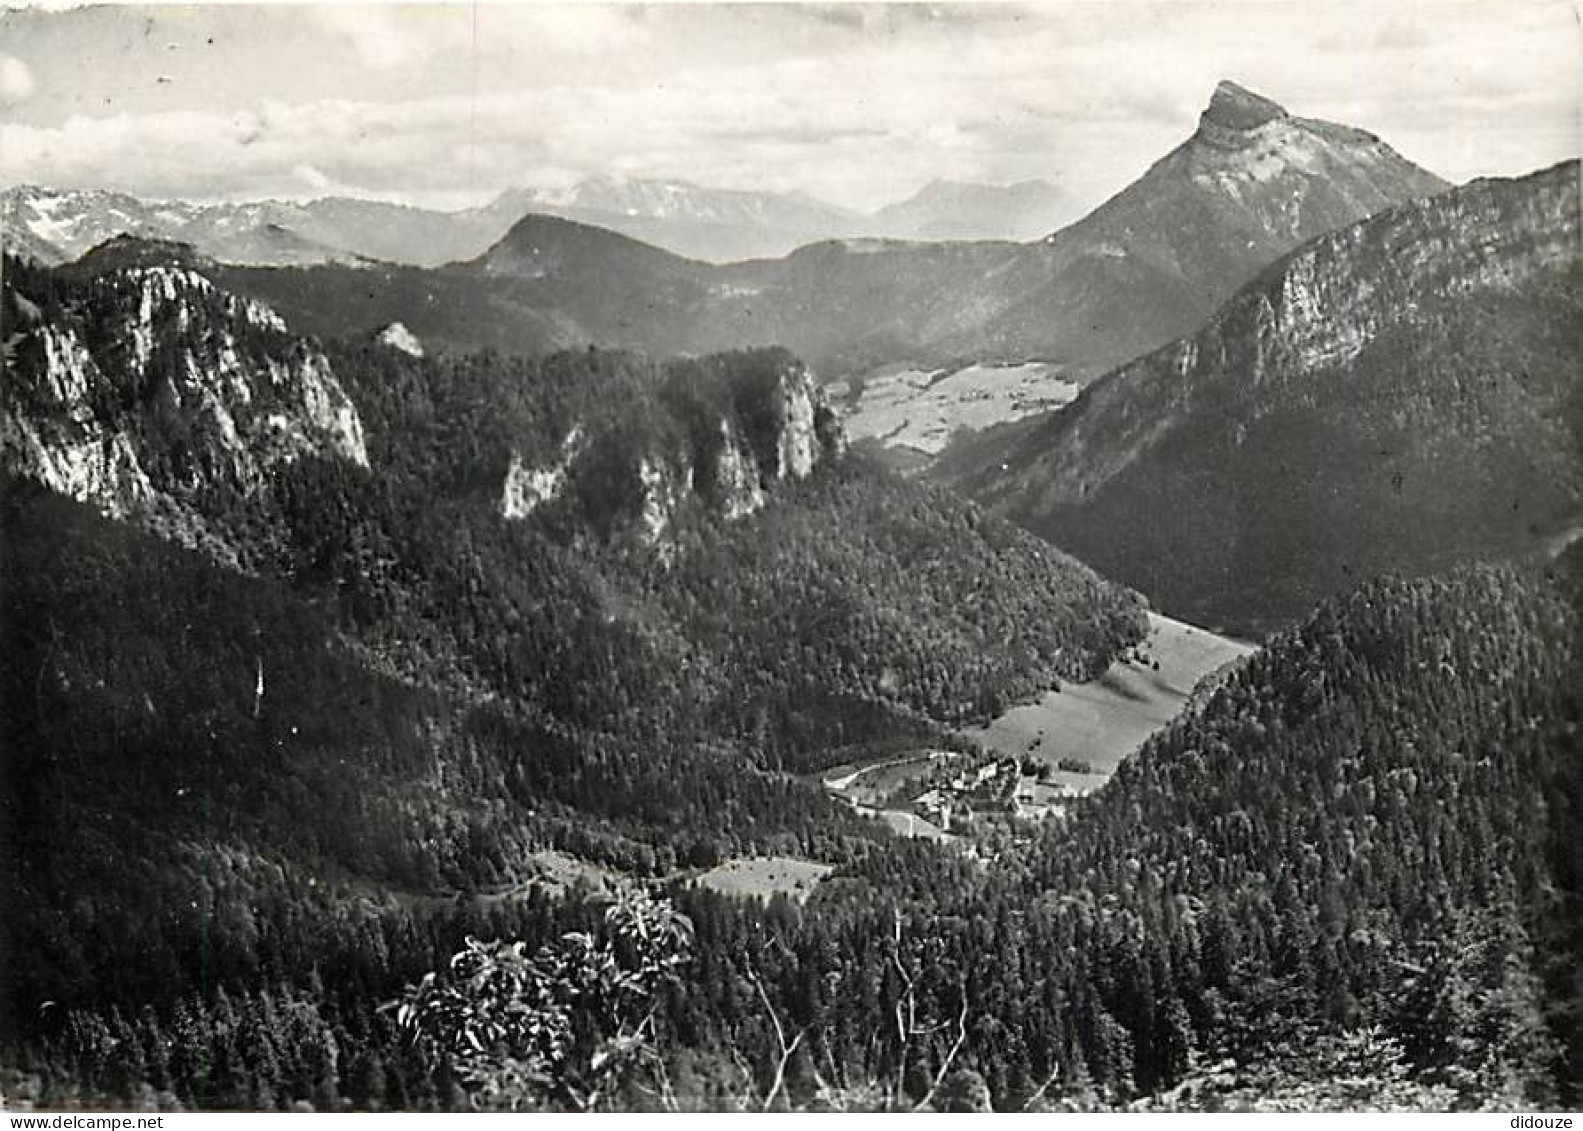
909	824
1104	721
918	410
766	876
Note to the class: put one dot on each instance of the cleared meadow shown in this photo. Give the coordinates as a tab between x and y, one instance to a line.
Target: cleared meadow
1104	721
920	409
764	877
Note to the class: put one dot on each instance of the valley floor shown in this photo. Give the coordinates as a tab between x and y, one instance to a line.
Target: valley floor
1102	722
918	410
1037	756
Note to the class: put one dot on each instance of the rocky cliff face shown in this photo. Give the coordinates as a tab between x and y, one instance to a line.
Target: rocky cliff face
1295	177
142	388
398	337
1396	391
137	385
1312	314
718	448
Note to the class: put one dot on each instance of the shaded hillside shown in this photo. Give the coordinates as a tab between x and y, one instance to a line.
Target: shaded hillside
211	742
548	284
1399	394
466	516
557	284
1342	882
589	602
811	598
1343	793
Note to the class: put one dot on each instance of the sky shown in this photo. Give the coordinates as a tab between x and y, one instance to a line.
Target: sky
447	105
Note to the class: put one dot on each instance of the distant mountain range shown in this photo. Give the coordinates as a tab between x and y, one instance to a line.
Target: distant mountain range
55	226
1260	178
1149	265
719	225
726	226
955	210
1398	395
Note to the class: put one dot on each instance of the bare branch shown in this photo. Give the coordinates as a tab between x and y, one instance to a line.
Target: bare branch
1055	1074
788	1048
665	1092
758	984
950	1057
780	1070
747	1075
906	1010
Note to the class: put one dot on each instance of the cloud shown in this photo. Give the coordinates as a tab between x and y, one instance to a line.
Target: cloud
314	178
17	84
857	103
438	37
800	133
381	38
1399	35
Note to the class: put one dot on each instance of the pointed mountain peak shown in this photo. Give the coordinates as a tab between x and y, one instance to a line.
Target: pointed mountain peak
1234	107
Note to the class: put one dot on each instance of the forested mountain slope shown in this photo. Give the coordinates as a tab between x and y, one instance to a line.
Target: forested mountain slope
353	630
1346	880
135	383
195	757
411	489
1397	395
